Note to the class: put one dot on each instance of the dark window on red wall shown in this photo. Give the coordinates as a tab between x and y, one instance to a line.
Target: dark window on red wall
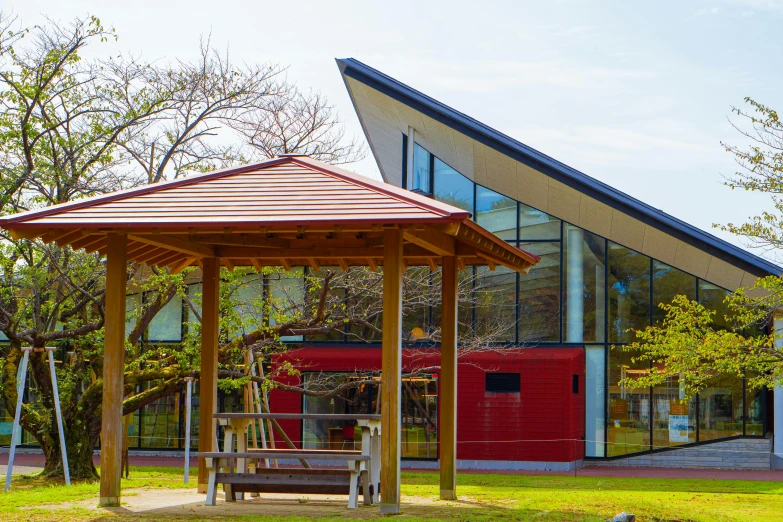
575	384
503	382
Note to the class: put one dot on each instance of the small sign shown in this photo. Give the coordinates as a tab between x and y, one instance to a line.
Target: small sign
678	408
678	428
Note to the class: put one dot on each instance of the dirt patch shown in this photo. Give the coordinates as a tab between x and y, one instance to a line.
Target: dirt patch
188	503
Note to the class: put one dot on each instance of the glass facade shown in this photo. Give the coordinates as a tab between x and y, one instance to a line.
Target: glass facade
590	291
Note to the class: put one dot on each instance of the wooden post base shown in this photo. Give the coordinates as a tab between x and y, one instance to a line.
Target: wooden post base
448	494
109	502
202	488
390	509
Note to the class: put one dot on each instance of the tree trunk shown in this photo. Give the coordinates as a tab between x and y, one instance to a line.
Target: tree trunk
81	439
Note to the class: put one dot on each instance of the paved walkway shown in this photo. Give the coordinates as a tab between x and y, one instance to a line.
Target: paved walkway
32	461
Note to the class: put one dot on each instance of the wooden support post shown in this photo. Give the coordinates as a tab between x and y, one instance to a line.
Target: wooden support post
447	428
210	308
113	369
391	376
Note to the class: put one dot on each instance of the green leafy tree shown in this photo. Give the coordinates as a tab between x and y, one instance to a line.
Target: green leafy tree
73	127
696	343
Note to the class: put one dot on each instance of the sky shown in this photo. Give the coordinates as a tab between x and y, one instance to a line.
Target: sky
636	95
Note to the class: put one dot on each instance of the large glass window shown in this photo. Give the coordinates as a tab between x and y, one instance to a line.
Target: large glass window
595	400
132	307
584	286
674	419
669	282
160	423
720	408
420	177
754	411
496	212
539	295
629	409
167	323
452	187
286	291
712	297
534	224
419	414
495	304
629	292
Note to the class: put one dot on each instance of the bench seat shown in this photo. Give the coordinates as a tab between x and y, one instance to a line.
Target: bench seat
289	480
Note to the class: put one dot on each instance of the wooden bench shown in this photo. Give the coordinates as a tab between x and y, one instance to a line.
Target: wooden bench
289	480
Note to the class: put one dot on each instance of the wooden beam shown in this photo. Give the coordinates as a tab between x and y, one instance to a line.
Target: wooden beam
323	253
258	266
86	241
55	236
432	263
173	243
210	311
285	264
228	264
391	375
447	427
372	264
252	240
152	254
178	267
113	370
164	257
432	240
314	264
27	233
343	264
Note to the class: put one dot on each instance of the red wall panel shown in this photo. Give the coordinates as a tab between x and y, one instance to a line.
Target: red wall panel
544	422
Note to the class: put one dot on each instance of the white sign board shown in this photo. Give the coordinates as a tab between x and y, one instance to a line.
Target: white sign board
678	428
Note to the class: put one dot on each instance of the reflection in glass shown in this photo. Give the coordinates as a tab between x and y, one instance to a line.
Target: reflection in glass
754	411
248	305
496	304
132	307
629	292
595	400
674	420
286	291
712	297
720	408
583	286
629	409
534	224
167	323
160	422
420	178
452	187
419	414
669	282
539	295
496	212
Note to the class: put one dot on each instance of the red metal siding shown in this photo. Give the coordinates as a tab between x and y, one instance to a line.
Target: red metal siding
544	422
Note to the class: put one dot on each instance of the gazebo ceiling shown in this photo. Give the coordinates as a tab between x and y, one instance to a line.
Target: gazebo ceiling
288	211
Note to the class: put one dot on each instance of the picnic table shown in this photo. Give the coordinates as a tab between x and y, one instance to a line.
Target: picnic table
363	466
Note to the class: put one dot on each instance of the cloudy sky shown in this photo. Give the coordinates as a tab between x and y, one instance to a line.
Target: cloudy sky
634	95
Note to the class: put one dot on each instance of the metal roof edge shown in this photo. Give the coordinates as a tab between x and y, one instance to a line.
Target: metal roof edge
572	177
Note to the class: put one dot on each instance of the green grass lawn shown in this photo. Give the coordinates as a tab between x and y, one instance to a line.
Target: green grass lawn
483	498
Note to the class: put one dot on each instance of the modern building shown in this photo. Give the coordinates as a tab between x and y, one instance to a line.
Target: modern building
549	396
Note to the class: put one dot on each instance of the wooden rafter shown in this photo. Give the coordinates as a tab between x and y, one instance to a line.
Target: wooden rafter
173	243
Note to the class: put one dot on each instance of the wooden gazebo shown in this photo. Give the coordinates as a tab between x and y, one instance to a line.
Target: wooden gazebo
288	211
